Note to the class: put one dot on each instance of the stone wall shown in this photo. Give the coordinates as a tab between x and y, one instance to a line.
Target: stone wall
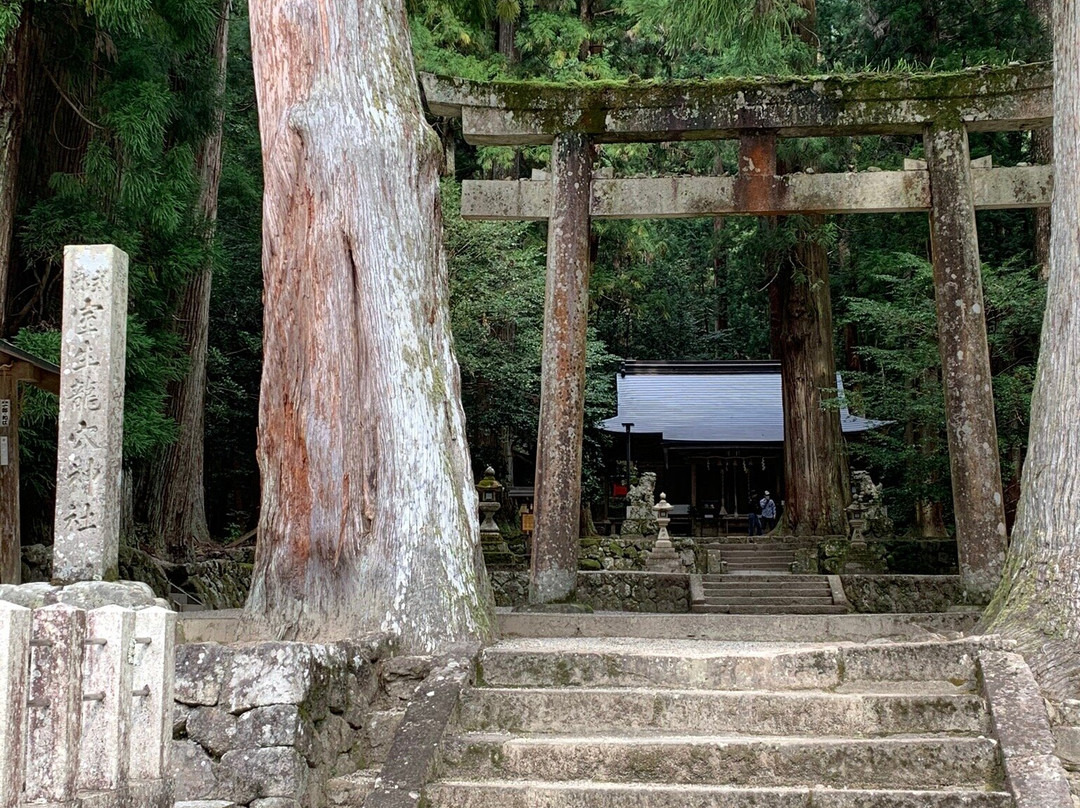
267	724
904	593
629	552
635	591
626	591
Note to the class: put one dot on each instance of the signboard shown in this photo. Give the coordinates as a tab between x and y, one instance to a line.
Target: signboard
3	451
5	412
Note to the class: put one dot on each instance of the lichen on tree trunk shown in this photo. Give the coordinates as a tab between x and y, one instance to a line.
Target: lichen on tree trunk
1038	601
369	518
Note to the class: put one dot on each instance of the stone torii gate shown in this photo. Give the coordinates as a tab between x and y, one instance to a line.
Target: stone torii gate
942	108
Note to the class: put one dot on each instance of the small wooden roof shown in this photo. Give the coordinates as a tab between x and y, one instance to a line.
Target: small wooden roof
30	368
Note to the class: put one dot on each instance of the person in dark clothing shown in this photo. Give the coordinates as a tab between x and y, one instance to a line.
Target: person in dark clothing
754	517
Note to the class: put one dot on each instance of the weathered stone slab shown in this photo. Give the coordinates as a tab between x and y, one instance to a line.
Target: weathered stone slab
154	665
55	705
274	725
413	755
201	669
272	772
14	661
1035	776
88	466
106	714
517	113
268	673
214	730
691	197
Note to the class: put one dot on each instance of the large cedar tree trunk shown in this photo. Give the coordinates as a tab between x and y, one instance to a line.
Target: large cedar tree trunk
369	517
1042	151
1038	602
815	465
177	508
13	67
816	488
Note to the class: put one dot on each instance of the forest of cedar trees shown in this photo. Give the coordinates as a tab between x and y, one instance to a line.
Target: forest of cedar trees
139	127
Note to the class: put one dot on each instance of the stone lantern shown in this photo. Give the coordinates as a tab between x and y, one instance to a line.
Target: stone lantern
489	489
856	513
663	557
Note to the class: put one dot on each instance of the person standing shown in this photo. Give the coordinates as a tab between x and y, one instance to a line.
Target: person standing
768	512
753	518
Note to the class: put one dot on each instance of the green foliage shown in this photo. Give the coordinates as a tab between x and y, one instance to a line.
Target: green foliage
497	300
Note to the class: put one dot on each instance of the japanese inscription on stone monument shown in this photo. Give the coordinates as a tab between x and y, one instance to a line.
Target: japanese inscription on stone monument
91	413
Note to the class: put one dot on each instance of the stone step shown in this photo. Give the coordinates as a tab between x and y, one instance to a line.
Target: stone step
710	608
533	794
736	599
352	789
748	545
729	627
804	712
738	590
718	665
894	762
763	579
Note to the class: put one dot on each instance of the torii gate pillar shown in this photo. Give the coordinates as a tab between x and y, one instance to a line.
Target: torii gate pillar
556	541
965	362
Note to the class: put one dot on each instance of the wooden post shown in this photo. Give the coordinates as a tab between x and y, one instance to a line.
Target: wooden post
10	547
965	362
562	384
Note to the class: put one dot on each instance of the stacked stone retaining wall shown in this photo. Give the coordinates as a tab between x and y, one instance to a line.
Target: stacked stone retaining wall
266	725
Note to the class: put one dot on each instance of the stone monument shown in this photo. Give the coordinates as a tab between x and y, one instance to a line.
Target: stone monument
640	518
663	557
91	424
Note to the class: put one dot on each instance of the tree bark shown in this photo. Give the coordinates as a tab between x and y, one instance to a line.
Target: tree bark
562	375
1038	601
815	465
1042	151
177	506
13	68
369	515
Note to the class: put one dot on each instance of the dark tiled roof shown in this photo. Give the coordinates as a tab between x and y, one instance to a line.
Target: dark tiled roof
7	349
709	402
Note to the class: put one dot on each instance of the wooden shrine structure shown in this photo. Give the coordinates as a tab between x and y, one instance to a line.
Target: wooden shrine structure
942	108
15	366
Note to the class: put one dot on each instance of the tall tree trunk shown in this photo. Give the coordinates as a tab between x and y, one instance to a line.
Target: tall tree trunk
177	506
816	488
13	67
1038	601
1042	151
815	465
505	32
369	515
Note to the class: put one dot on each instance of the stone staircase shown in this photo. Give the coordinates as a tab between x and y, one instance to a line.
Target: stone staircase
773	557
632	723
769	594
